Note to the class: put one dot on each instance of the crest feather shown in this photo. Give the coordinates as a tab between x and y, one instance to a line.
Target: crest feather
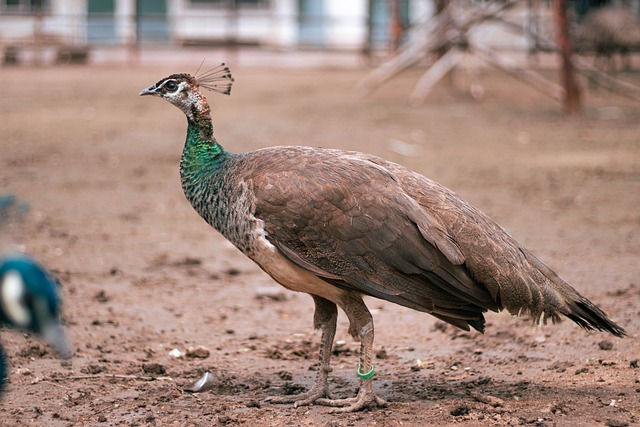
217	79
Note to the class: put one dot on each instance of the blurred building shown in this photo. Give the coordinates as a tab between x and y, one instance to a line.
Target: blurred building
330	24
70	28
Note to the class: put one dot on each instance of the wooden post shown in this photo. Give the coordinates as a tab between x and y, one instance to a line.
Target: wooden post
136	36
442	7
572	102
533	30
367	50
38	38
396	28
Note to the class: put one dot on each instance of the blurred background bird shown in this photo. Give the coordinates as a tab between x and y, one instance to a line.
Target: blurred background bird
609	30
29	302
340	225
29	294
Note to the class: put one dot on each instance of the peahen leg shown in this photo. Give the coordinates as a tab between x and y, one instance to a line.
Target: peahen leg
361	326
324	318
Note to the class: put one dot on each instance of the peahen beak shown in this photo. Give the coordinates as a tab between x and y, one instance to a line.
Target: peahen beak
151	90
55	336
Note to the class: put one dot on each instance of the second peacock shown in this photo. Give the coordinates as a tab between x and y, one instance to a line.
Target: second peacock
29	302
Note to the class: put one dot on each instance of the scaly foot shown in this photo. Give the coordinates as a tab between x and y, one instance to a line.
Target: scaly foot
366	398
319	391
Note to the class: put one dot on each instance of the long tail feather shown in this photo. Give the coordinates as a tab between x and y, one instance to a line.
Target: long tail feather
576	307
590	317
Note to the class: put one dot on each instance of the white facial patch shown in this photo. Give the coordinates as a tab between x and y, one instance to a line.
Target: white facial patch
181	87
185	104
11	298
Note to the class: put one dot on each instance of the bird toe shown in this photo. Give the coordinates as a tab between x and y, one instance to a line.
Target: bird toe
366	398
303	399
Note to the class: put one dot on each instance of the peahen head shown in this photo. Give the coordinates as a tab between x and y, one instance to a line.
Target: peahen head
29	300
183	90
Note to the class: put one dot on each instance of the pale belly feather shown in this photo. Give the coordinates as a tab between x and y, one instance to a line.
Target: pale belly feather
290	275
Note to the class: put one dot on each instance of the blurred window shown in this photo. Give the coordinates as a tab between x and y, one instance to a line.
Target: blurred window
24	6
230	4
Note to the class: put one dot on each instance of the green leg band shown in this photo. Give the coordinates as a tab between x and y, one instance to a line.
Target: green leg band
366	376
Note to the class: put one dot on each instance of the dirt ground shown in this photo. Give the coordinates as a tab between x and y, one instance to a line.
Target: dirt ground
142	274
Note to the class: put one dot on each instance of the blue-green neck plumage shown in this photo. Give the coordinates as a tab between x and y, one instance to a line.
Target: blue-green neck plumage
202	154
203	166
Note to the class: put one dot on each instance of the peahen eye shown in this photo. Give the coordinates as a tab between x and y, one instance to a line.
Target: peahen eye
171	85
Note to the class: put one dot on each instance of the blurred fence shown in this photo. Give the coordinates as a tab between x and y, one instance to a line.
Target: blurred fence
375	25
217	26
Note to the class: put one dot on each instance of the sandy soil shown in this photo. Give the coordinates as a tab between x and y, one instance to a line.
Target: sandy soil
142	274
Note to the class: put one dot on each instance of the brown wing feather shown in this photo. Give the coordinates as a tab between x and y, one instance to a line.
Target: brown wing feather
371	226
516	279
348	220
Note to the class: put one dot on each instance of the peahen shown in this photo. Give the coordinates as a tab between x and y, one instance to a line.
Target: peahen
29	301
339	225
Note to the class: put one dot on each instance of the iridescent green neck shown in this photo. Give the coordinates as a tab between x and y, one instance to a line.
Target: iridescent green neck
202	157
202	153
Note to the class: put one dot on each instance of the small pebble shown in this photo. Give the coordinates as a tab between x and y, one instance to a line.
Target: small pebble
488	400
101	297
419	364
200	352
233	271
616	423
273	293
459	411
253	404
605	345
224	419
176	353
154	368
